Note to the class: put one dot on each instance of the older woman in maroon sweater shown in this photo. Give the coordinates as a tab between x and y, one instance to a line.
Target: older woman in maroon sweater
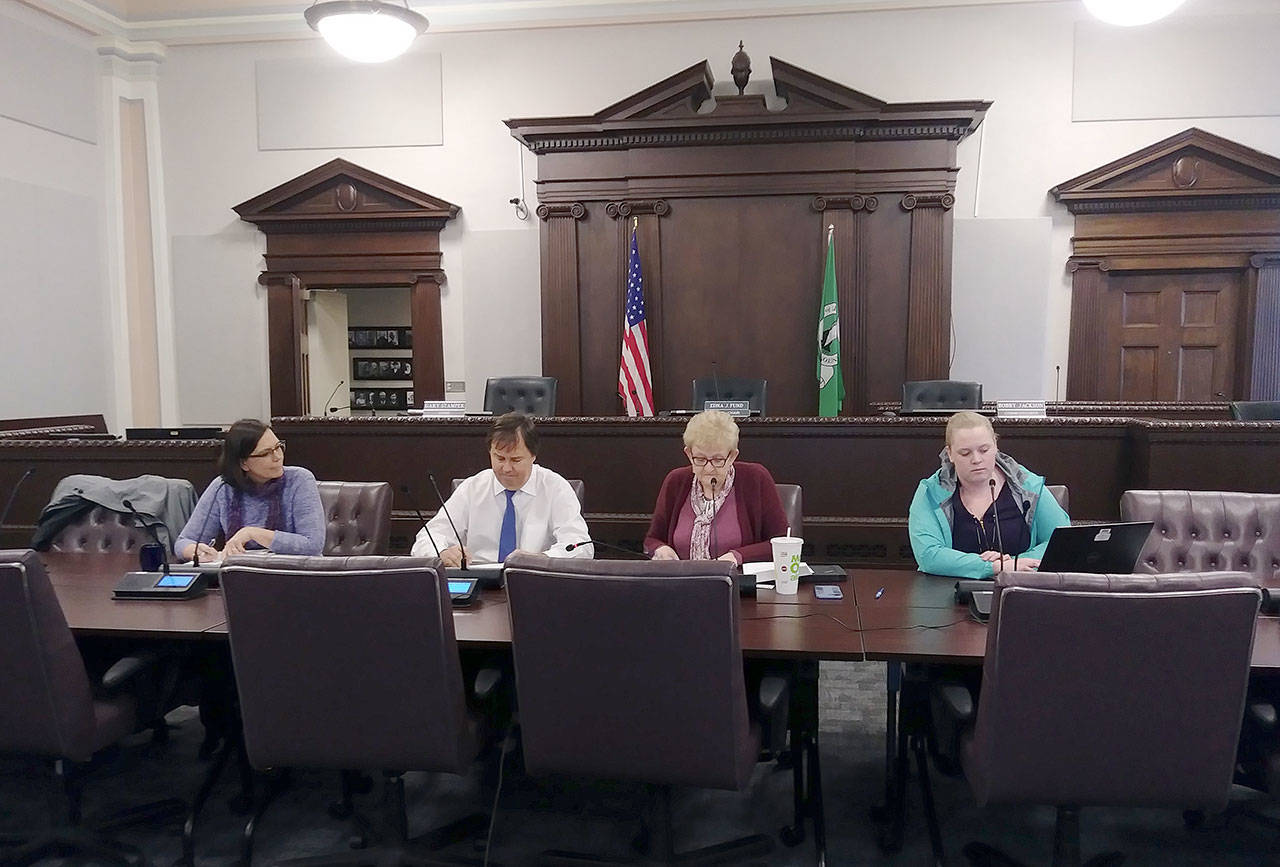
717	507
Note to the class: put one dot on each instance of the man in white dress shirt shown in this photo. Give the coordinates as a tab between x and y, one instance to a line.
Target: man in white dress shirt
516	505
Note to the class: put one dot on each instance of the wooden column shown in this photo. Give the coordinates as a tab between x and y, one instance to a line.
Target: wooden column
287	333
1264	381
1084	368
428	339
561	356
929	291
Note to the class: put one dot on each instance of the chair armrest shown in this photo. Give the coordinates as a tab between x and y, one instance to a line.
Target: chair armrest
955	700
486	685
127	669
774	694
1263	715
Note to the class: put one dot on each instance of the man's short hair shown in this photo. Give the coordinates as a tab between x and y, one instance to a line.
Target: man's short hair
510	429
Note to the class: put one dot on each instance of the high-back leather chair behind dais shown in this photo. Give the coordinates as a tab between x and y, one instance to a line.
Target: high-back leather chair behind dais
1076	708
357	517
749	388
1255	410
349	662
940	395
606	694
1200	531
531	395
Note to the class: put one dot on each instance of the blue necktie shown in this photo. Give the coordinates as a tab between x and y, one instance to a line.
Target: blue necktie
507	538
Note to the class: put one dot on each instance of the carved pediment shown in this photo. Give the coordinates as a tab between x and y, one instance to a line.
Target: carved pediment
1191	170
340	192
673	112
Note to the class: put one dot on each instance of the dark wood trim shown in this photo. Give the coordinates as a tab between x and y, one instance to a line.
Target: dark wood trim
428	340
561	348
929	293
1088	281
286	325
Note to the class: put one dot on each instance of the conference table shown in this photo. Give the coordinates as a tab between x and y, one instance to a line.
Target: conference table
888	615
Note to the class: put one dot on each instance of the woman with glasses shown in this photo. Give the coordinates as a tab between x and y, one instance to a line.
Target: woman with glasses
256	503
717	508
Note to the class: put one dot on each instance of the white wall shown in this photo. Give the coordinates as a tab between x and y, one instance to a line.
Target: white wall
1022	57
55	329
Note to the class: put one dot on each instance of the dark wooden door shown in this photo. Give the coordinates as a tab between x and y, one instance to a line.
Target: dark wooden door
1170	336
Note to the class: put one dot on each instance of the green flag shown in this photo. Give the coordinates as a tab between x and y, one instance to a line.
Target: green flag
830	382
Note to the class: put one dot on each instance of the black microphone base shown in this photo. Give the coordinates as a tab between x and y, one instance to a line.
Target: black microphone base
486	579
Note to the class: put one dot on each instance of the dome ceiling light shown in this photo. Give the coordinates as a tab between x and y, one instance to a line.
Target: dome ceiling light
368	31
1130	13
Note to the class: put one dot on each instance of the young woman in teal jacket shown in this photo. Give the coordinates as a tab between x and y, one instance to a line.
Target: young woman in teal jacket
981	512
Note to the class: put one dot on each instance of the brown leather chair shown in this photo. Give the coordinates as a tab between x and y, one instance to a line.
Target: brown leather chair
658	698
358	517
578	488
1255	410
101	531
350	662
1201	531
792	506
50	709
754	390
531	395
1061	494
1076	709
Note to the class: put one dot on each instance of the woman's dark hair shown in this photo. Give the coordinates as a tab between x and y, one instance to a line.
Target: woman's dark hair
242	438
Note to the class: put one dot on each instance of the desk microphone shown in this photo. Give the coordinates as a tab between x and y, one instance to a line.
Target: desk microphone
996	512
13	494
712	525
715	378
329	399
164	554
612	547
462	550
204	526
408	495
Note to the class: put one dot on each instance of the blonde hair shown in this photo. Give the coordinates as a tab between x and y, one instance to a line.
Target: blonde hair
966	420
711	430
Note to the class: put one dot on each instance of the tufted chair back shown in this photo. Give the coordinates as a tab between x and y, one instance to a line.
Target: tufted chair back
357	517
531	395
1207	531
932	395
101	531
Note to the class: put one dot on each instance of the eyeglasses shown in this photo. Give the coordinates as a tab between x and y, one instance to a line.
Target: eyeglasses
266	453
700	461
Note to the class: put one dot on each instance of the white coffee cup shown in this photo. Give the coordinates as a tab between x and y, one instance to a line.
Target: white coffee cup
786	564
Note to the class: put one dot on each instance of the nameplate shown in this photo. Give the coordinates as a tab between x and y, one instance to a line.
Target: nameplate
444	408
735	408
1020	408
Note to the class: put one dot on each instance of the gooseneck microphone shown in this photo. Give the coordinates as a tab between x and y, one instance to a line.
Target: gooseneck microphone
996	513
715	379
13	495
408	495
329	399
714	512
164	560
612	547
461	548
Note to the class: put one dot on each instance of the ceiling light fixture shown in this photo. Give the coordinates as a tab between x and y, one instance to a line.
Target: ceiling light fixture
368	31
1129	13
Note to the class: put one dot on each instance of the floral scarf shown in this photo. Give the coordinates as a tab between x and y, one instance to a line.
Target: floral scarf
704	510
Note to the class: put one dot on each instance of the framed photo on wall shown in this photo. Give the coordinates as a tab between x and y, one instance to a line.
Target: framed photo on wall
364	369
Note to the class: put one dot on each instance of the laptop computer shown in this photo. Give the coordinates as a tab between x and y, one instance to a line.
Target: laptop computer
1096	548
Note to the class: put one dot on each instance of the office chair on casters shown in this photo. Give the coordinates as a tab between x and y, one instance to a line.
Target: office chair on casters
587	708
346	663
1132	737
358	518
746	388
531	395
1255	410
49	708
940	395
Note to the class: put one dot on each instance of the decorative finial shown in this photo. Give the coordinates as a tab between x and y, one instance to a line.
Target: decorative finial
740	66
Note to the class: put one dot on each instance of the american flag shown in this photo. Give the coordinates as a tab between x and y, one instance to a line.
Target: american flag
635	382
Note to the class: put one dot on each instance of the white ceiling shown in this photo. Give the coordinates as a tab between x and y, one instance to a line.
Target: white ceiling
188	21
